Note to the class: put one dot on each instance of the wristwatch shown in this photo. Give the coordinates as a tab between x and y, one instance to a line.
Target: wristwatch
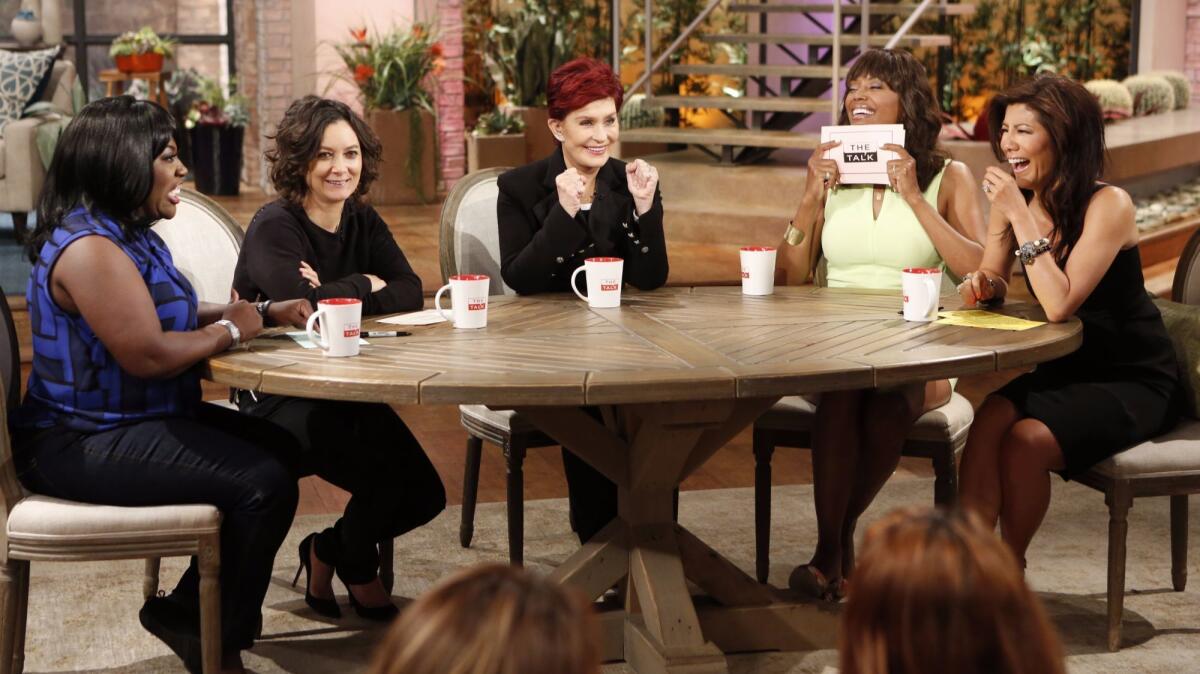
1031	249
233	331
262	307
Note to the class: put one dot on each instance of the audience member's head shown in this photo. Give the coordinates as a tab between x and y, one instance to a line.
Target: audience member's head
935	591
107	160
918	113
1054	126
323	150
493	619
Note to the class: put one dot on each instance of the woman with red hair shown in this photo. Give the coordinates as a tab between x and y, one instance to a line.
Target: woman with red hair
578	203
935	591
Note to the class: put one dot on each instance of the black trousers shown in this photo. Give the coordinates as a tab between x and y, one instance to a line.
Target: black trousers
367	450
242	465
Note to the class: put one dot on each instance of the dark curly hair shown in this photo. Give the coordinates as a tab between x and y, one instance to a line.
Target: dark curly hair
1075	123
298	139
919	112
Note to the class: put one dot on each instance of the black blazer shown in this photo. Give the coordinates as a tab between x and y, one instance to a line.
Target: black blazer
540	245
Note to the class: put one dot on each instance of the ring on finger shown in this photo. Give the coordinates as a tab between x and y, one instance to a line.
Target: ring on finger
827	176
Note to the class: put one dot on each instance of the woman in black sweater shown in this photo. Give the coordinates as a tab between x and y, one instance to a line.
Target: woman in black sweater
319	240
578	203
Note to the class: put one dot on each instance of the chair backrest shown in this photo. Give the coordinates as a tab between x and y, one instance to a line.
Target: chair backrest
10	357
1186	287
204	241
470	237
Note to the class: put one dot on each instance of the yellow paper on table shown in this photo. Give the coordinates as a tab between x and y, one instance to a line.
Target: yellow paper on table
978	318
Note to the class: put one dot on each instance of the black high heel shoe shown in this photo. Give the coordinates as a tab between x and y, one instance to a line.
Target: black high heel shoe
325	607
380	614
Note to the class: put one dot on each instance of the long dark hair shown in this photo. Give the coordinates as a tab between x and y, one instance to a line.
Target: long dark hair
919	111
104	162
1075	124
298	139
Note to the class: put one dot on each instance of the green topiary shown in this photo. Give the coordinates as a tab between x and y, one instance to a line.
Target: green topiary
1180	84
1151	94
1115	100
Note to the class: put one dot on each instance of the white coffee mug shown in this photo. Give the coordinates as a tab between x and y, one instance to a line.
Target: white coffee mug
758	270
603	282
922	289
340	319
468	300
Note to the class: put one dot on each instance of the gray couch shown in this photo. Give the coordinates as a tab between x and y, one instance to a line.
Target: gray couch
21	169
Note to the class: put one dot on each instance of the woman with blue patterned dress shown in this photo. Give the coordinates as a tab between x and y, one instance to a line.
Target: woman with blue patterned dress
113	412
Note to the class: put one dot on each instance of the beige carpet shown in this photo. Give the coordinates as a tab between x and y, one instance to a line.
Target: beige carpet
83	617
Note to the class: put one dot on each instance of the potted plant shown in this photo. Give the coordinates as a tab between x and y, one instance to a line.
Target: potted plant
141	51
496	140
216	126
395	73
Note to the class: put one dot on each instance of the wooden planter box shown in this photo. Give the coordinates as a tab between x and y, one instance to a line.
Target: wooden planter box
396	131
499	150
539	143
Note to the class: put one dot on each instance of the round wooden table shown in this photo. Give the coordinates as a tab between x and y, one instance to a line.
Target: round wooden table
677	372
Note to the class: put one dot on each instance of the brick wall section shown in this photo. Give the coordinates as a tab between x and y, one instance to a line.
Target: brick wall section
245	21
274	64
450	94
1192	55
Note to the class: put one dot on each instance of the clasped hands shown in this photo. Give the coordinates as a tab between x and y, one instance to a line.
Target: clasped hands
640	177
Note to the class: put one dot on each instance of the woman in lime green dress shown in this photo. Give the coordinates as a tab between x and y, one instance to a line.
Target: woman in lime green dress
928	216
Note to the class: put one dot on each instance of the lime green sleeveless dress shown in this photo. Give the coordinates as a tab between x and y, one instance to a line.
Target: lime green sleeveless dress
862	252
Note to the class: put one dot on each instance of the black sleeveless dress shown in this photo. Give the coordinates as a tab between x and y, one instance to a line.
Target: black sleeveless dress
1120	387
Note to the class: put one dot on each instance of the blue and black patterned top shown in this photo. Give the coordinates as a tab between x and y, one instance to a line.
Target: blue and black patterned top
76	382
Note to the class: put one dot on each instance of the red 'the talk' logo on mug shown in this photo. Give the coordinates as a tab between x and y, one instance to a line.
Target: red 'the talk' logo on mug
351	330
476	303
745	274
609	284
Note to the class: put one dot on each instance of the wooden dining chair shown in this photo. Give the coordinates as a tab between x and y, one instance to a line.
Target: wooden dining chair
470	244
45	529
938	435
1168	465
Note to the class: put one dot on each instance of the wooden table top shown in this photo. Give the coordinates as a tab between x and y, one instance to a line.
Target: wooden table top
667	345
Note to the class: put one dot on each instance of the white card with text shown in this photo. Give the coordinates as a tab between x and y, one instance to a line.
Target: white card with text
859	159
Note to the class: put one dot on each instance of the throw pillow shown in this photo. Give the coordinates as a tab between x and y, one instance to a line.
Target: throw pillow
1183	324
23	79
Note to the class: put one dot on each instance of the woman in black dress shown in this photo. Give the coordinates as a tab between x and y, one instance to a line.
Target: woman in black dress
578	203
1077	241
318	241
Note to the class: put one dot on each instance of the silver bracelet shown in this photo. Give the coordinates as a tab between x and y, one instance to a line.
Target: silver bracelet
234	333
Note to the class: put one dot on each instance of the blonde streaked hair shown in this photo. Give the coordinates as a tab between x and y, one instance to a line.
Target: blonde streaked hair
493	619
937	591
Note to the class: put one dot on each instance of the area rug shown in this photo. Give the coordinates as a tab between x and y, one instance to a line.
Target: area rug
83	617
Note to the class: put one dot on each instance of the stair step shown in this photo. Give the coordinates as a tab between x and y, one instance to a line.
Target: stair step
752	70
761	103
848	39
876	8
734	137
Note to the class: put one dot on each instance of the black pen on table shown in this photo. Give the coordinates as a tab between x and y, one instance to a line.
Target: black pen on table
385	333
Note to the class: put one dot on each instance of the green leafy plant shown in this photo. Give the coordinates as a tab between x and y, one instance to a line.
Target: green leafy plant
214	106
635	114
142	41
395	70
498	123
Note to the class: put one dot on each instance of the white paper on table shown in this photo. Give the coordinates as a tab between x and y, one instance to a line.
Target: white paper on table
302	339
859	159
427	317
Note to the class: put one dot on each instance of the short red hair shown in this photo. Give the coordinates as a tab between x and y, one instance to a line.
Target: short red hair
577	83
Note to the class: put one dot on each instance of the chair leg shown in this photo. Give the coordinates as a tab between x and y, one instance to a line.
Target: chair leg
210	603
764	447
10	590
466	530
945	481
514	456
21	618
387	565
1119	501
150	581
20	226
1179	541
